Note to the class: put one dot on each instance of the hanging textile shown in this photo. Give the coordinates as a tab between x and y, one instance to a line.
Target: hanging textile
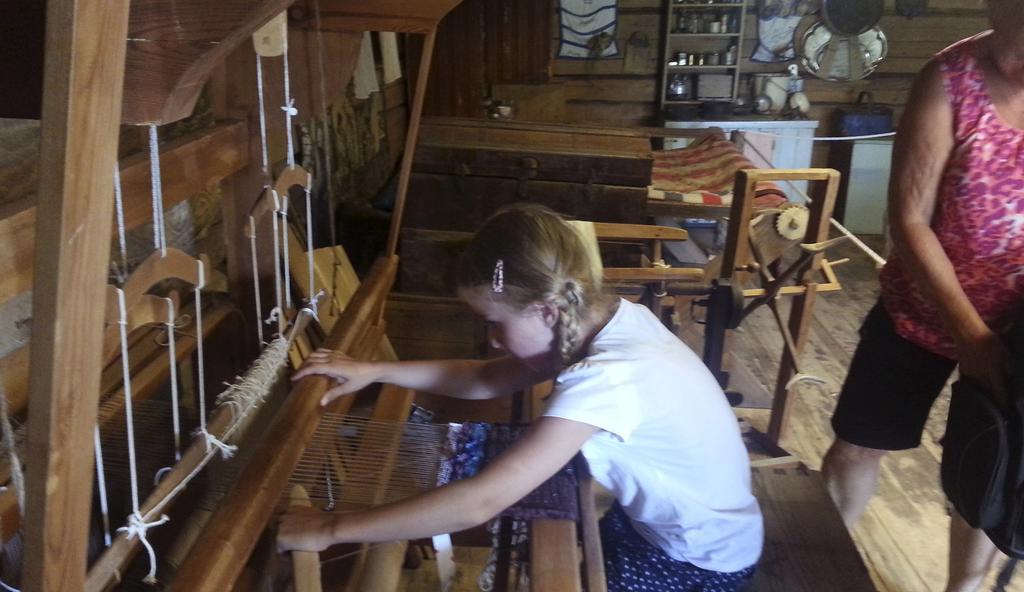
777	21
587	28
364	80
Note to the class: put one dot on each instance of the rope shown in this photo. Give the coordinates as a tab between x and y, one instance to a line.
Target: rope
119	208
211	440
172	358
289	109
263	115
277	254
283	212
127	379
256	278
136	526
101	481
878	259
242	397
159	239
311	310
823	138
309	235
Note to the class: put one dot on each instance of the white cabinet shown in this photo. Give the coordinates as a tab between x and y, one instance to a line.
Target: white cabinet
780	144
868	186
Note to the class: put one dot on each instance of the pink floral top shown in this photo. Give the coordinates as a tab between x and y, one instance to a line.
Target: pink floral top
979	217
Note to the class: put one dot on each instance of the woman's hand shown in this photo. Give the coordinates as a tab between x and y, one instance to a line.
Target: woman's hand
350	375
985	359
306	529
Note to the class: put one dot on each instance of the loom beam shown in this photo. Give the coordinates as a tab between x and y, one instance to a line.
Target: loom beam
226	543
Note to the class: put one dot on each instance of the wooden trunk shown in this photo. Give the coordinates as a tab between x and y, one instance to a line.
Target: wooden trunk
465	169
463	202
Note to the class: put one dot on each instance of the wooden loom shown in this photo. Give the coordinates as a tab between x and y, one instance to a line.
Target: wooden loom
84	78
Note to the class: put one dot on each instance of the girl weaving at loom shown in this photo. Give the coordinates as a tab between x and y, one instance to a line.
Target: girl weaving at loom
649	418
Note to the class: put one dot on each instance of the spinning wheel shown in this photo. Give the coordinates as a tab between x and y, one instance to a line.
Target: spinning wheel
753	254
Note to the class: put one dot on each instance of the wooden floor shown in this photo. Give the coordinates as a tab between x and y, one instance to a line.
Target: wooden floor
903	536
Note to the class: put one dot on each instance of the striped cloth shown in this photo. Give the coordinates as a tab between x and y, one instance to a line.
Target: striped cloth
704	172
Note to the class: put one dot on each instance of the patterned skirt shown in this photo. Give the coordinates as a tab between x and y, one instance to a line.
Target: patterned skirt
634	565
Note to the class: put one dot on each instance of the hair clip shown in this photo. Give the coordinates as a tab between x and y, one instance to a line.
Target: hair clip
498	279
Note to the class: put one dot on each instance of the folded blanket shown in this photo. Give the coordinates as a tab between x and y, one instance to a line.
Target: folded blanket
704	173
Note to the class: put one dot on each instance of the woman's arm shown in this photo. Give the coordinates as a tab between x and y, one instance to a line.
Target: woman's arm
464	379
920	154
543	450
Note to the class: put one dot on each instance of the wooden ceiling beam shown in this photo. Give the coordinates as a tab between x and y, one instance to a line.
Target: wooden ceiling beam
400	16
173	47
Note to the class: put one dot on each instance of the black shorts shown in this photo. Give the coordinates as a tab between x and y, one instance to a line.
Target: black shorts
890	388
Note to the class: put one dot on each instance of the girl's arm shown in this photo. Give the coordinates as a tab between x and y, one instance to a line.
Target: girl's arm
549	444
922	149
464	379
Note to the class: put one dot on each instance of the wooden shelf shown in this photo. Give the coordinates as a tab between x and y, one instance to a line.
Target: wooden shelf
676	39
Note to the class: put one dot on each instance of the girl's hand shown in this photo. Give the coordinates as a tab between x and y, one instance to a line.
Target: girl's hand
350	375
985	359
305	529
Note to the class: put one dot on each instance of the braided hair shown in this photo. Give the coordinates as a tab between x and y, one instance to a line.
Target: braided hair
525	254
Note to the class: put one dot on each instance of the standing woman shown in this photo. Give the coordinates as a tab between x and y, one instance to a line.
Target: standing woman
956	277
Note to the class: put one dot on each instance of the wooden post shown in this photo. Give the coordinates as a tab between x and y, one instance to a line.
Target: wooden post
802	312
83	85
411	136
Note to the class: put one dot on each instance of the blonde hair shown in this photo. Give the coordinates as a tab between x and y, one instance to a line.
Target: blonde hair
525	254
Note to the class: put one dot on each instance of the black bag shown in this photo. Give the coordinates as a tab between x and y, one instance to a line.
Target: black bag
863	118
975	455
983	456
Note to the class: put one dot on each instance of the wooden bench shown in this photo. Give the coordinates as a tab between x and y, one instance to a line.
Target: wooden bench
806	547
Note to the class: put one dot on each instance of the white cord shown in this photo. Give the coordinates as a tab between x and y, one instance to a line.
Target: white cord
288	108
263	115
172	357
127	380
277	253
286	284
822	138
101	481
136	526
309	234
119	208
159	238
256	279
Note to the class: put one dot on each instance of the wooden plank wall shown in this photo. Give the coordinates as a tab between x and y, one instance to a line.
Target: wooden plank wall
606	92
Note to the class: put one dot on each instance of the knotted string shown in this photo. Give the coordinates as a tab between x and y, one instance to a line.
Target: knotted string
138	527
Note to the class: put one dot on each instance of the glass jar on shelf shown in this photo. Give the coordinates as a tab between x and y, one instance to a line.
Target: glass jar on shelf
695	23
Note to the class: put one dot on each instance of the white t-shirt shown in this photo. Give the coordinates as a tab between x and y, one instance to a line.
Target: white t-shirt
670	447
